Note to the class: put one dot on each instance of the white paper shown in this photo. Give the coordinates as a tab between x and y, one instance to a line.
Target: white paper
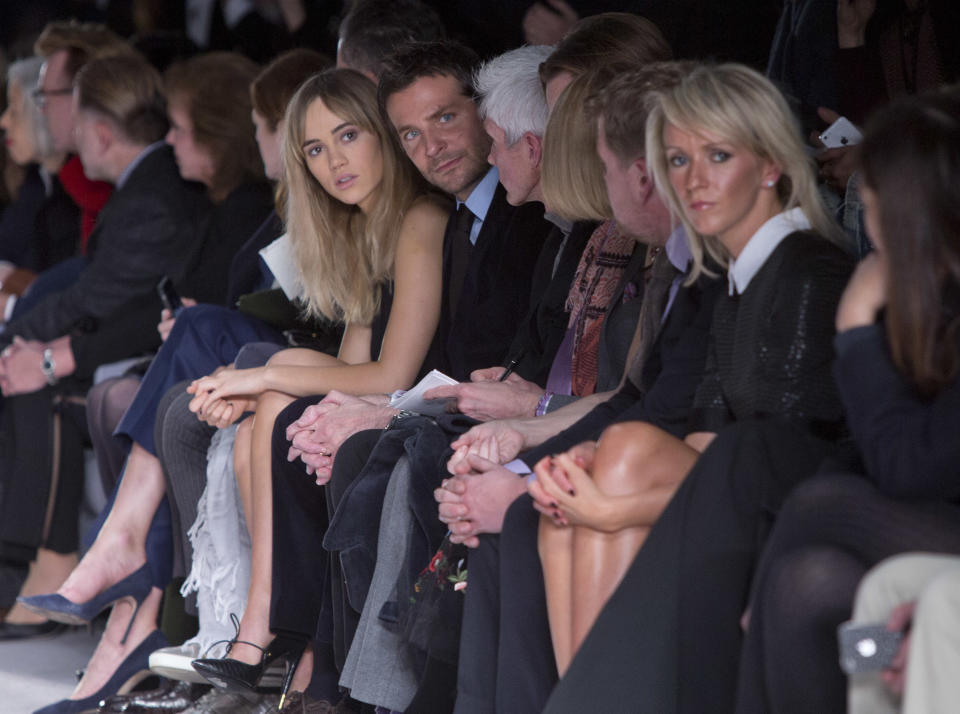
412	400
282	261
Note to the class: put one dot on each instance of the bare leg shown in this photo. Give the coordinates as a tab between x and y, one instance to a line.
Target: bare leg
110	653
631	458
46	574
555	545
255	624
120	547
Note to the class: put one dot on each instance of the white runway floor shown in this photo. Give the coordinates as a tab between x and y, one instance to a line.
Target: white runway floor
34	673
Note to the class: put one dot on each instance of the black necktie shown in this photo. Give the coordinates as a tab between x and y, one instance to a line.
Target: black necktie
460	250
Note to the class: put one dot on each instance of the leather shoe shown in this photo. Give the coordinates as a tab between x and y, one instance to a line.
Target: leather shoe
303	703
171	696
17	631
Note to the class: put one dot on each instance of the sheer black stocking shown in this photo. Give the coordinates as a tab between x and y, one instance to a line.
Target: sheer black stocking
832	529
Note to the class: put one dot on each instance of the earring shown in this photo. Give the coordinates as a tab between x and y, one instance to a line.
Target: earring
770	184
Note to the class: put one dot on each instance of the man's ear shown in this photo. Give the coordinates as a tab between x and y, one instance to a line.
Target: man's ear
104	134
641	183
533	145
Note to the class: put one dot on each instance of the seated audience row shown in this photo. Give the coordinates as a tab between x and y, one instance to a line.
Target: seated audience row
677	435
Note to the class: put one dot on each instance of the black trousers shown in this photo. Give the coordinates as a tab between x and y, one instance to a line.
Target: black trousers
300	573
42	435
506	656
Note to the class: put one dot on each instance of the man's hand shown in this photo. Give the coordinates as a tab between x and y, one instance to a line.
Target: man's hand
476	502
838	164
343	416
486	398
22	372
497	441
167	319
895	675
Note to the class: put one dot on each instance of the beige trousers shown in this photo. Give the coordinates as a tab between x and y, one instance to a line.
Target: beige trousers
933	665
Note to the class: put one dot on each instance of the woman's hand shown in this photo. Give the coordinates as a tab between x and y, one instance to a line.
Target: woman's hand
167	319
561	480
865	294
224	383
852	19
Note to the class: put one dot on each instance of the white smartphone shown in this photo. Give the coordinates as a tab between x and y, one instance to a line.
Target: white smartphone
841	133
866	648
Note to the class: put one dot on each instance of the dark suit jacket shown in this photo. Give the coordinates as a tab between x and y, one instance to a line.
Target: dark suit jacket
142	234
671	375
495	292
540	333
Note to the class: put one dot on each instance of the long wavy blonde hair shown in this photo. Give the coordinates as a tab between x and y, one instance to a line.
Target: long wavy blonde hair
746	109
345	256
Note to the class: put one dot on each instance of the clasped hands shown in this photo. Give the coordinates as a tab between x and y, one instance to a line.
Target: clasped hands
317	435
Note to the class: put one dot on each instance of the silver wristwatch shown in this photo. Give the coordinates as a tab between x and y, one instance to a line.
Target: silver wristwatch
49	367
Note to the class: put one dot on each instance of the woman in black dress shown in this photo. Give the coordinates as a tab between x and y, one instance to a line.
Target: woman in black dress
898	355
726	153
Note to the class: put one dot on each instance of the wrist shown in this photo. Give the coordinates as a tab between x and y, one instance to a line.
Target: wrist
62	356
544	404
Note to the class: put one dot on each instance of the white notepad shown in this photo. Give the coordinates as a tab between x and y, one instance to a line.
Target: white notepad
412	400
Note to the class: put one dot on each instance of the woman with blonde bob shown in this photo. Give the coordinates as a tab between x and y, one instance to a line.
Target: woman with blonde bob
727	156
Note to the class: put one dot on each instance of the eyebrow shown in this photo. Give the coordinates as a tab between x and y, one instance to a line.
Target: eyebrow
335	129
440	112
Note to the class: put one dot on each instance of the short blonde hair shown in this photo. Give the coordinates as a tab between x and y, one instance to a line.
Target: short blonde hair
745	108
572	173
344	255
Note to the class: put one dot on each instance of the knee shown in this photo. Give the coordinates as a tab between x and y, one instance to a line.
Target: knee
882	589
622	453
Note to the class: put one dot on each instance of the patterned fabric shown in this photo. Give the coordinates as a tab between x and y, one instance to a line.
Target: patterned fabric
598	275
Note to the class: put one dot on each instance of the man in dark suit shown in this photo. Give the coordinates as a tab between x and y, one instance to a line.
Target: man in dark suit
144	231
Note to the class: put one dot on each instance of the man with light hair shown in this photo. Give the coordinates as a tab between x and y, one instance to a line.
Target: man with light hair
514	111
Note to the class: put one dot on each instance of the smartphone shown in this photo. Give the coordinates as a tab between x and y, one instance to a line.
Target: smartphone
867	648
841	133
168	296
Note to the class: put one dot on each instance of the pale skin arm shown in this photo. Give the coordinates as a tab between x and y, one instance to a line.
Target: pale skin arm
413	319
503	439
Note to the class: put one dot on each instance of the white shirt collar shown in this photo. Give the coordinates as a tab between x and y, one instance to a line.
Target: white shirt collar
761	245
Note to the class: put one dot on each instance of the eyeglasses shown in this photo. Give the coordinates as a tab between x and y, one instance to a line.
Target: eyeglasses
41	96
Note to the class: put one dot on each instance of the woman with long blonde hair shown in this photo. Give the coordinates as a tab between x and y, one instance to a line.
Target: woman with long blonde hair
370	238
726	154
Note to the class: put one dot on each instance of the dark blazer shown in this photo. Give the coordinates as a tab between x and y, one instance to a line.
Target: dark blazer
540	333
142	234
671	374
495	292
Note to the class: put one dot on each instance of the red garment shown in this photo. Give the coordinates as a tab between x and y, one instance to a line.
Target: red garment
89	195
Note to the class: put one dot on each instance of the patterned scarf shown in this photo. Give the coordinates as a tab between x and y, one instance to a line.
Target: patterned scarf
599	273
